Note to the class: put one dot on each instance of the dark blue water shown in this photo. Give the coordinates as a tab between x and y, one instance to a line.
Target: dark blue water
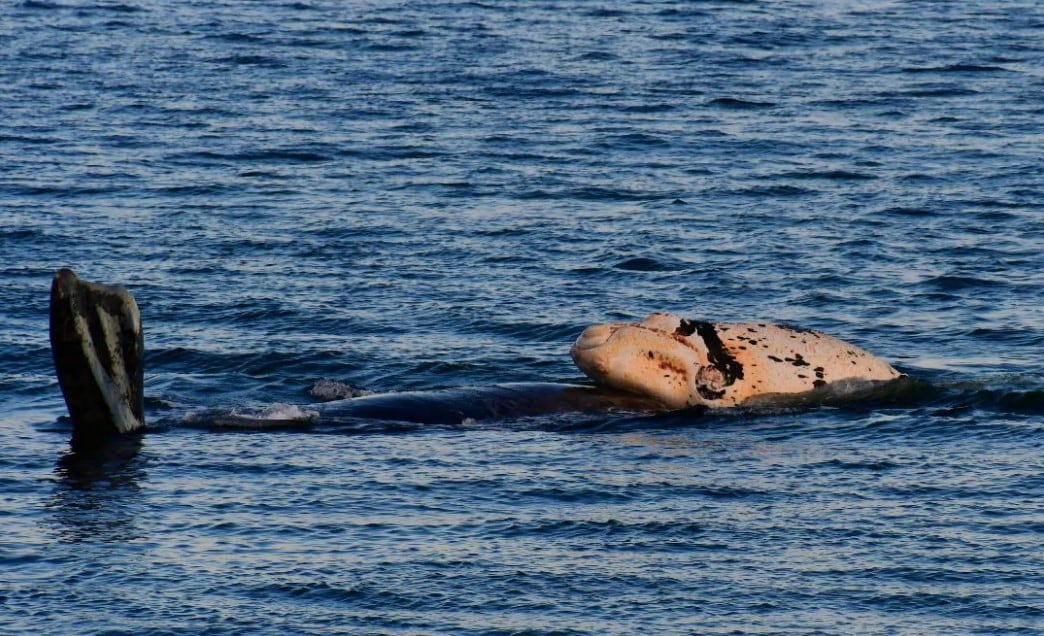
400	195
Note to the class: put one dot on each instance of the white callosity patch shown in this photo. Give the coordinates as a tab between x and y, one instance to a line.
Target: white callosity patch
640	359
662	322
113	383
330	390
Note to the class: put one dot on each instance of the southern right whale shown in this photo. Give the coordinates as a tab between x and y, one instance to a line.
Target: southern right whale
98	346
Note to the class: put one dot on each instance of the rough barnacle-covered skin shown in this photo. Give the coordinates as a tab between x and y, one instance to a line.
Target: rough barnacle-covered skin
688	363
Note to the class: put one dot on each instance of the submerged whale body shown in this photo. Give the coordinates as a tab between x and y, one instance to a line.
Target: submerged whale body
664	363
451	406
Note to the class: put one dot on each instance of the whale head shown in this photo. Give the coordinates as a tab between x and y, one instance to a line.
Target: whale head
653	358
98	349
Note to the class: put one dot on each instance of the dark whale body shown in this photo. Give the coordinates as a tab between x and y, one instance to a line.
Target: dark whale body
98	347
497	402
448	407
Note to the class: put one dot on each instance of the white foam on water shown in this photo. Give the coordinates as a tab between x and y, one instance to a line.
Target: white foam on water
278	411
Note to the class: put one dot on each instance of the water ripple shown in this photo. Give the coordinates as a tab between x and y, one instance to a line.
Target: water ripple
444	194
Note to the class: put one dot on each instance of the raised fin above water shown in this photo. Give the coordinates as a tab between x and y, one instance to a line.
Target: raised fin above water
99	349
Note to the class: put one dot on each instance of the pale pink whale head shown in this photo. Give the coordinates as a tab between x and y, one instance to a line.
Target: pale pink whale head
651	358
687	363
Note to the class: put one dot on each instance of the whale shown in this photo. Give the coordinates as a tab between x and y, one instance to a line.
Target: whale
686	363
98	346
665	363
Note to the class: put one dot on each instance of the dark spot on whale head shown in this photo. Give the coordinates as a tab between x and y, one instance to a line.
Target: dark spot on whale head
710	394
686	328
798	361
818	383
650	355
775	359
718	355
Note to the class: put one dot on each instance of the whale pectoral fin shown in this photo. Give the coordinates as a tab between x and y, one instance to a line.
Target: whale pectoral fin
98	349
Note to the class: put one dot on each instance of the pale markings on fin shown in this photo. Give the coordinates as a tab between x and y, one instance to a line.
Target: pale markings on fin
114	390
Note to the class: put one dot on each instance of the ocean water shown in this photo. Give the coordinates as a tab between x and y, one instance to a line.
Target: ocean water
404	195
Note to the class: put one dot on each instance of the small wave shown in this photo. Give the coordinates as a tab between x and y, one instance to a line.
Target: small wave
513	91
943	91
774	191
648	108
62	191
1016	402
597	56
236	37
954	282
905	211
391	153
829	175
635	141
316	590
956	68
25	139
19	235
592	194
249	60
297	155
859	464
1008	333
643	264
119	8
733	103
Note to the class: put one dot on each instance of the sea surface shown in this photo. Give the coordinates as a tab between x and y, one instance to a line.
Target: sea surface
419	195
